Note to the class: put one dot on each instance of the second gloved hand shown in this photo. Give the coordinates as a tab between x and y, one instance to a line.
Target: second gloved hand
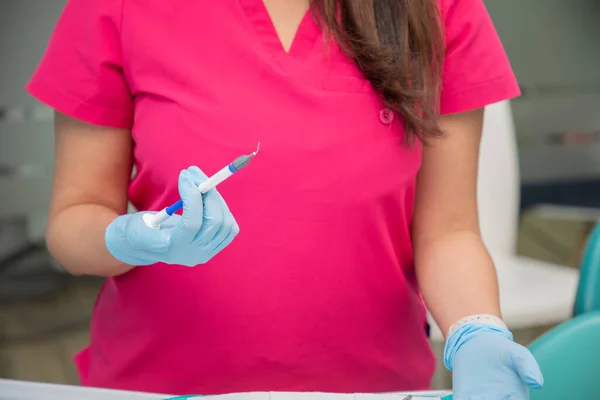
488	365
205	227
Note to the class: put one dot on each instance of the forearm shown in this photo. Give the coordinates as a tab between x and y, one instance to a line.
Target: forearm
457	277
75	238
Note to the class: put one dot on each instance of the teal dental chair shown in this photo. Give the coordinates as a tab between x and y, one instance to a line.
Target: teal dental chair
588	292
569	356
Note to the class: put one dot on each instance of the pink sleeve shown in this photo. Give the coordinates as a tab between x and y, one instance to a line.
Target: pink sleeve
476	69
81	73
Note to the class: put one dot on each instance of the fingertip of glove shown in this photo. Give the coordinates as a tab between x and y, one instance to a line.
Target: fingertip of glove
538	380
184	175
528	368
535	384
196	174
533	377
195	170
187	186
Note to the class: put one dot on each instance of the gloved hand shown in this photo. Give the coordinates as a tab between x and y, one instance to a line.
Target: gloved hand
488	365
205	227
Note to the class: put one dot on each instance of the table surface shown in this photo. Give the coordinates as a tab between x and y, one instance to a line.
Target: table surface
19	390
533	293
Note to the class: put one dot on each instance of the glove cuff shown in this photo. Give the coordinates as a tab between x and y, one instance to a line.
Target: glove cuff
486	319
468	328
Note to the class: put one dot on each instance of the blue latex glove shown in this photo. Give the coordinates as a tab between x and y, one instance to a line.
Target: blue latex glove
205	227
488	365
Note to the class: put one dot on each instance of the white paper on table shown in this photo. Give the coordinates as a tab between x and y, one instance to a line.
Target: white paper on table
438	395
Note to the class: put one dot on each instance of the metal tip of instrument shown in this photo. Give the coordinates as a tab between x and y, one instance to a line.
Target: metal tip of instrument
257	149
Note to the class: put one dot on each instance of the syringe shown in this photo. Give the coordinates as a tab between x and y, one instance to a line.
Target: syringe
155	220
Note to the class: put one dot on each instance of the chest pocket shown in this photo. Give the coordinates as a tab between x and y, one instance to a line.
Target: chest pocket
349	84
361	86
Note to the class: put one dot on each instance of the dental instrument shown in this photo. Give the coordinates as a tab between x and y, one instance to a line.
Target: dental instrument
155	220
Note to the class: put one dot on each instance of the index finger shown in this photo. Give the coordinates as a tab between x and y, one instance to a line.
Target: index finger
193	208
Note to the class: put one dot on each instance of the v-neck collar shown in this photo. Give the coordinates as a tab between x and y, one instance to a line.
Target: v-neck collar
304	41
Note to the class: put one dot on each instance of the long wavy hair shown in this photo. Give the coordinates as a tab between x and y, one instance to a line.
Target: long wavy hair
399	47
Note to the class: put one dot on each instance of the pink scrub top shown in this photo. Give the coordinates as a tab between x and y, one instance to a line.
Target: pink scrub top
318	291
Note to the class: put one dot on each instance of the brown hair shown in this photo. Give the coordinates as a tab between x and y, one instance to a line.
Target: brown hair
399	46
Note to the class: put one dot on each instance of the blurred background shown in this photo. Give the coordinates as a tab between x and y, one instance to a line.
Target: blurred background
540	199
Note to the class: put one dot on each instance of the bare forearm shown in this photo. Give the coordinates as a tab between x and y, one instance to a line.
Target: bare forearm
457	277
75	239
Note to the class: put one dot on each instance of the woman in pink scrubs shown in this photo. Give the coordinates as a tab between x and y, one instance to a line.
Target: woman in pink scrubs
346	220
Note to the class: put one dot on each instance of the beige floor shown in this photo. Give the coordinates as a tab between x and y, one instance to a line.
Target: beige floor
36	346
